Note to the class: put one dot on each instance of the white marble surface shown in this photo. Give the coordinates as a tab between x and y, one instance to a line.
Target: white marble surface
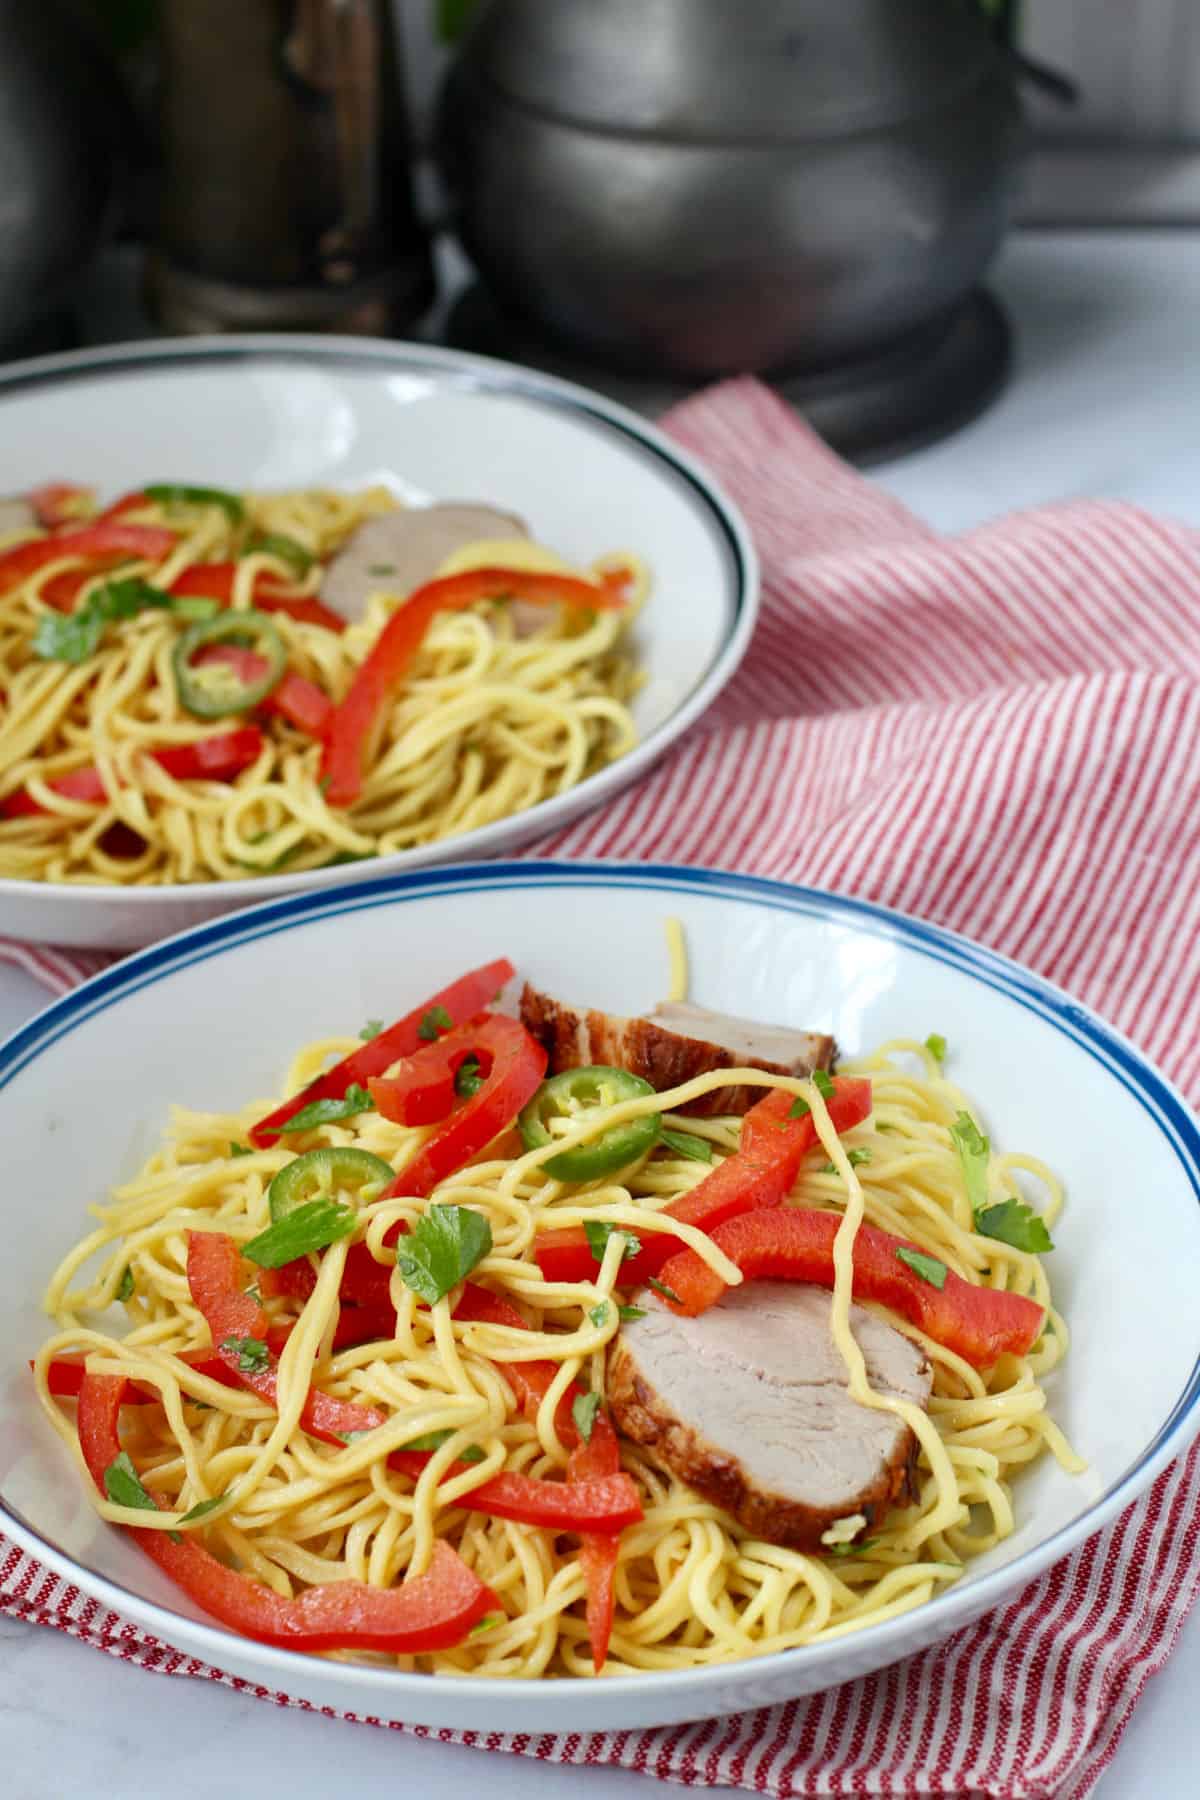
1102	403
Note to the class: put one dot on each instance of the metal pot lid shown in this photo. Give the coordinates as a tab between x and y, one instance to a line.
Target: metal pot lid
769	70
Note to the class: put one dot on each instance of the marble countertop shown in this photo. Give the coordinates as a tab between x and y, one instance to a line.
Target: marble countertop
1101	403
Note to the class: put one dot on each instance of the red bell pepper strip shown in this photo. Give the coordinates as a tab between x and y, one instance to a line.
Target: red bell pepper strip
356	1325
433	1611
461	1000
600	1455
796	1244
149	542
126	504
512	1064
294	698
378	677
58	502
601	1504
214	581
64	1376
215	1276
63	590
217	758
761	1174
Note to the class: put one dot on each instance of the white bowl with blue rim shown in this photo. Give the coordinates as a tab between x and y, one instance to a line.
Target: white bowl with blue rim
291	411
212	1018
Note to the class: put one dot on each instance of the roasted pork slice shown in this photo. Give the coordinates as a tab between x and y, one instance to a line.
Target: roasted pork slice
401	551
672	1044
750	1405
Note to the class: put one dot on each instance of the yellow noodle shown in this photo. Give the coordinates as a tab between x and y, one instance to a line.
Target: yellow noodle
692	1586
486	724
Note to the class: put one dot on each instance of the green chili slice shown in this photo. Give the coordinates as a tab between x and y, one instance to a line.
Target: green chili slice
180	493
572	1095
256	664
320	1174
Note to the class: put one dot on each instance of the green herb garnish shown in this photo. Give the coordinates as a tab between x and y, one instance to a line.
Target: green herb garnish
202	1508
468	1078
433	1440
435	1021
854	1157
629	1313
125	1285
668	1293
683	1143
241	1150
370	1030
852	1548
252	1354
327	1112
935	1043
286	549
442	1249
312	1226
1012	1222
599	1315
584	1408
927	1267
823	1082
123	1484
972	1149
598	1232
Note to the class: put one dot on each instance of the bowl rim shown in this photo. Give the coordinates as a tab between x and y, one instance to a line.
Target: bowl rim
463	370
952	1607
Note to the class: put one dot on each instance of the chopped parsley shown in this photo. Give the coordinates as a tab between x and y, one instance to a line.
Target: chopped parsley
697	1149
854	1157
668	1293
253	1357
125	1285
468	1078
202	1508
972	1149
1012	1222
583	1410
435	1021
370	1030
433	1440
312	1226
123	1484
240	1150
327	1112
443	1247
629	1313
599	1315
935	1043
852	1548
598	1232
927	1267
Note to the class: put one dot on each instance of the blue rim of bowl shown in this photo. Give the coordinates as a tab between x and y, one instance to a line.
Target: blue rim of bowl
482	374
1121	1060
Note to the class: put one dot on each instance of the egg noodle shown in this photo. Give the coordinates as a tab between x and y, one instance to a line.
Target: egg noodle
692	1586
486	724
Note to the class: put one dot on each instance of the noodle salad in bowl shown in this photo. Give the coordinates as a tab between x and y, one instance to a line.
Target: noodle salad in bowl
201	685
519	1340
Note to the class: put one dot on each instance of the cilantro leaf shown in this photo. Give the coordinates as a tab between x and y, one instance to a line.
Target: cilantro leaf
668	1293
1012	1222
442	1249
599	1314
312	1226
697	1149
467	1077
598	1232
854	1157
630	1313
125	1285
927	1267
823	1082
972	1149
584	1408
854	1548
327	1112
123	1484
433	1440
240	1150
935	1043
370	1030
68	637
799	1109
202	1508
434	1022
253	1357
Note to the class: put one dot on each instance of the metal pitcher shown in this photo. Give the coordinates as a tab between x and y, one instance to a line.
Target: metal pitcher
286	199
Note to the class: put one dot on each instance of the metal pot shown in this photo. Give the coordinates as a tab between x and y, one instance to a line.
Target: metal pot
61	118
695	187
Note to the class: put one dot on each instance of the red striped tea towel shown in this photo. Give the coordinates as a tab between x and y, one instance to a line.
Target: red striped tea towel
999	732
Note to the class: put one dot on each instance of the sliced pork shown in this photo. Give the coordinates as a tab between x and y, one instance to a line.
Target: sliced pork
749	1404
400	551
672	1044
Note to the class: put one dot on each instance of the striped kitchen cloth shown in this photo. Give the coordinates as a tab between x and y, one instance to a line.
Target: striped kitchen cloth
999	732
